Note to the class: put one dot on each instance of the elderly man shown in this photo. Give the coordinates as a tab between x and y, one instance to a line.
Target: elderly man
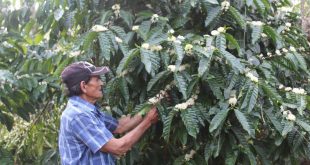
86	134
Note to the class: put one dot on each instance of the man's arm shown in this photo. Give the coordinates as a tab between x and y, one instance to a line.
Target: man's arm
122	145
127	123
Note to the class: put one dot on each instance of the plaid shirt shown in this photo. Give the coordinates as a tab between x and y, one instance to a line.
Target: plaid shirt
83	131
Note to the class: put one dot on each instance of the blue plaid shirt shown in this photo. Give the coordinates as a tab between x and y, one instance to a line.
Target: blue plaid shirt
83	131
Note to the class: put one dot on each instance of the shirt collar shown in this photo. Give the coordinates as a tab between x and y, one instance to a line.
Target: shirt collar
78	100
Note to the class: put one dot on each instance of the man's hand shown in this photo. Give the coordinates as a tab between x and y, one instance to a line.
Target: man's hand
152	115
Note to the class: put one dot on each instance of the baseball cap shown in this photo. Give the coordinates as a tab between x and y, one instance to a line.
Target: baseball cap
79	71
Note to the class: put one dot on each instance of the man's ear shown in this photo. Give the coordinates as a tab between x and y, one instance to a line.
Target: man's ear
82	86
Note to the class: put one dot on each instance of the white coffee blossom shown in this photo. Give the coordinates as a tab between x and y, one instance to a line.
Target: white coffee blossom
99	28
135	28
189	156
75	53
302	49
181	106
188	48
288	24
118	40
153	100
177	41
281	86
190	101
291	117
292	48
257	23
156	48
183	67
215	32
232	101
252	77
221	29
299	91
284	50
180	37
278	52
171	31
287	89
264	35
171	38
145	45
285	113
171	68
261	55
154	18
116	7
225	5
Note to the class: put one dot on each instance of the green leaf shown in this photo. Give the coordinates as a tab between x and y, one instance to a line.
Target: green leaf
215	2
237	17
231	157
235	62
270	32
126	60
218	119
190	121
157	78
150	60
167	125
181	83
245	123
180	54
144	28
6	120
304	125
212	15
127	17
124	89
271	92
234	42
276	123
256	33
89	39
105	45
288	126
220	42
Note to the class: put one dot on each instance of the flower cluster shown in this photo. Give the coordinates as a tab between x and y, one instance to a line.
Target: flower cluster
162	94
188	103
288	115
232	101
172	68
257	23
135	28
287	26
152	48
99	28
189	156
74	53
154	18
188	48
299	91
225	5
218	31
116	9
252	77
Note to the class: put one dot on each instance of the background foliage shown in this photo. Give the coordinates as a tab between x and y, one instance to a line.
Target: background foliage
236	76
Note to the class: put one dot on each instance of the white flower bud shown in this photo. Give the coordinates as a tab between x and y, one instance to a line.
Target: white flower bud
287	89
171	31
181	106
135	28
264	35
171	68
190	101
118	40
154	18
171	38
281	86
215	32
257	23
284	50
188	47
99	28
232	101
153	100
221	29
145	45
288	24
278	52
116	7
292	48
291	117
180	37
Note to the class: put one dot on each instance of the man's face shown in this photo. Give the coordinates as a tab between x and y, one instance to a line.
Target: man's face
94	88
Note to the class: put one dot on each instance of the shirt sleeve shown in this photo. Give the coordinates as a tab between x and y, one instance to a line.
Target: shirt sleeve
90	131
110	122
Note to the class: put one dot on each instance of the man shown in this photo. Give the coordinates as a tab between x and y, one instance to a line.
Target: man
85	132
